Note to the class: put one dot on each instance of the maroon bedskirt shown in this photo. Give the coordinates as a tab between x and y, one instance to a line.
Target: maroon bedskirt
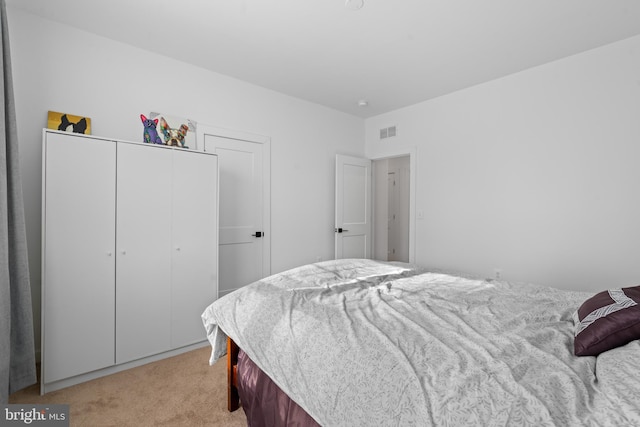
265	404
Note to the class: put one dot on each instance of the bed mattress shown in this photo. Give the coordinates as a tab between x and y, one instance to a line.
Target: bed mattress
361	343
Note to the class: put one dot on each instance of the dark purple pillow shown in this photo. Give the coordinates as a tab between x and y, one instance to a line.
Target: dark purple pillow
607	320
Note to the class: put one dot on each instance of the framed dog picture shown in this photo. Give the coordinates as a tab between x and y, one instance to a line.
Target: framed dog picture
176	131
68	122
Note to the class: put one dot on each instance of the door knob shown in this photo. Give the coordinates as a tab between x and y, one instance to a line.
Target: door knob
340	230
258	234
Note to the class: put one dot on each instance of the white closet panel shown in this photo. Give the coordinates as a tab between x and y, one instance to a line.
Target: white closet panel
130	241
143	242
78	298
195	260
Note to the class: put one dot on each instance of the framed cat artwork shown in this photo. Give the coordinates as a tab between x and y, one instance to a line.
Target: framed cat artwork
68	123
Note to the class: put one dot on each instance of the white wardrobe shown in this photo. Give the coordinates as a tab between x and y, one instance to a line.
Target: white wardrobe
129	254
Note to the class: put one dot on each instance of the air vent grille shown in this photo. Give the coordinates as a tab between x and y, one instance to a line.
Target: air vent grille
388	132
392	131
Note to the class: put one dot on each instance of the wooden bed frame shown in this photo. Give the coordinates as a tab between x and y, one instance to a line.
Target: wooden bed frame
233	399
295	415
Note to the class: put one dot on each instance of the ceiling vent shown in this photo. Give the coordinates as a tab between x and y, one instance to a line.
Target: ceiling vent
388	132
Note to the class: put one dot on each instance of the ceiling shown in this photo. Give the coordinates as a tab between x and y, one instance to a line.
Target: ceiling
392	53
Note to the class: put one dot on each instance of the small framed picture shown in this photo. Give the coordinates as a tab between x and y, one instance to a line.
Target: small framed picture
68	122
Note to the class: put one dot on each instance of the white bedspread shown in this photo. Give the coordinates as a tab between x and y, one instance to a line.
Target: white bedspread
363	343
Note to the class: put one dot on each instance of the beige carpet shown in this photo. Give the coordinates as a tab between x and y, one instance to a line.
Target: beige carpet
180	391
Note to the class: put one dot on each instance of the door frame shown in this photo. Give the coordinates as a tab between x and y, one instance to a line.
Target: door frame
389	153
202	130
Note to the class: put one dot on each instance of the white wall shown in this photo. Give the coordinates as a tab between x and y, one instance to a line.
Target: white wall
59	68
537	173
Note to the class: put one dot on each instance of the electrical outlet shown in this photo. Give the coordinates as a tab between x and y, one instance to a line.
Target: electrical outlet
497	273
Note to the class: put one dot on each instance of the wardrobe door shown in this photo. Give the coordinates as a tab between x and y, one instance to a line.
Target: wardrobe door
143	277
195	243
78	268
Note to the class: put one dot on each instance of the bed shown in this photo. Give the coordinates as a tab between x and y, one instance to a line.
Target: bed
361	343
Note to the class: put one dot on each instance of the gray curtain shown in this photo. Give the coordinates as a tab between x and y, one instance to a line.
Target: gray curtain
17	355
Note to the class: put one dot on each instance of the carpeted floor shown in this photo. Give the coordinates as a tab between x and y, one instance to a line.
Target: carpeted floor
180	391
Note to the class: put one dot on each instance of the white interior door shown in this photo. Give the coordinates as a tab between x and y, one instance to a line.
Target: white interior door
353	207
242	232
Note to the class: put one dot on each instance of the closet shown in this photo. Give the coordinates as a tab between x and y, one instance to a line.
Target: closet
129	254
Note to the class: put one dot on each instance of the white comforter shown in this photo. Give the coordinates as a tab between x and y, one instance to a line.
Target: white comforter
364	343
